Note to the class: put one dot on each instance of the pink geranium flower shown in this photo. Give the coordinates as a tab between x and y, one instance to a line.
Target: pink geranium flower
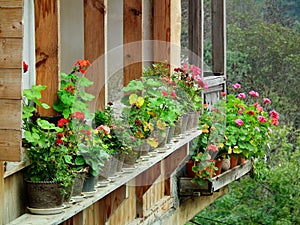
173	94
241	95
239	122
254	94
164	93
274	114
266	101
236	86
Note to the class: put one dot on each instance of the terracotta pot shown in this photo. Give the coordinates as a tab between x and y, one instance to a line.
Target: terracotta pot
218	164
242	159
233	160
189	165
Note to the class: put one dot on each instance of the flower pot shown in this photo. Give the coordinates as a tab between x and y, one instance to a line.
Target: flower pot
189	165
44	194
171	134
242	159
164	135
78	183
120	158
145	147
218	164
181	124
104	170
190	121
130	158
225	164
233	160
89	184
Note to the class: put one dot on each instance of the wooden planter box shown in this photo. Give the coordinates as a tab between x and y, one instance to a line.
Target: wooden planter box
187	188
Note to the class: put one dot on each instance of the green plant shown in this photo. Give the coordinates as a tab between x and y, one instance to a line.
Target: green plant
44	151
72	97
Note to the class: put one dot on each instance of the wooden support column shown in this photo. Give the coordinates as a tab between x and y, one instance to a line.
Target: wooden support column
195	31
94	45
161	30
143	182
218	37
47	50
132	38
1	193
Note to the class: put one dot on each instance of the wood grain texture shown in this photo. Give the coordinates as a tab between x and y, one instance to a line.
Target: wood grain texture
10	145
10	114
11	53
132	39
1	193
218	36
94	11
11	3
14	199
47	51
10	83
161	30
11	24
195	32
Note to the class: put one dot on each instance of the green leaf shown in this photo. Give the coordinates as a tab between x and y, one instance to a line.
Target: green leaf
68	159
134	86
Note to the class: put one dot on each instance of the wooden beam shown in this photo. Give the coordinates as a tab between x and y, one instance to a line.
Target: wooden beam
162	30
132	38
218	37
47	50
94	11
195	32
1	193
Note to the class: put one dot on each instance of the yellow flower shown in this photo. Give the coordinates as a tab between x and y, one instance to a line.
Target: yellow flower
205	128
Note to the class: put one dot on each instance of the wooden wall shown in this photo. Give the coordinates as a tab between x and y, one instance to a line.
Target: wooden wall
11	33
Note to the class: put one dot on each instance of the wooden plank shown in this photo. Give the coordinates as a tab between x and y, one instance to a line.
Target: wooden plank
47	50
11	3
94	11
162	30
132	38
11	24
218	37
10	114
218	182
10	83
1	193
10	145
195	32
11	53
14	199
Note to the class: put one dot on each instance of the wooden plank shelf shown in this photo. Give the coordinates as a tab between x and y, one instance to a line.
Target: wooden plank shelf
124	179
187	188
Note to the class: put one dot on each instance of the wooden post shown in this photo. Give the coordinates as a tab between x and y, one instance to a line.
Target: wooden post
218	37
1	193
161	30
47	50
132	38
195	31
94	11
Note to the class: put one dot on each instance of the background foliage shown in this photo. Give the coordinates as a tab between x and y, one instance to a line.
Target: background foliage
263	53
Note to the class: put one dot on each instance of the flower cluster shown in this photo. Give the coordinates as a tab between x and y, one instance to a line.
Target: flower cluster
247	127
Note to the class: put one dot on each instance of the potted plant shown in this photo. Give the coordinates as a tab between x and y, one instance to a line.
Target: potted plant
45	154
236	126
